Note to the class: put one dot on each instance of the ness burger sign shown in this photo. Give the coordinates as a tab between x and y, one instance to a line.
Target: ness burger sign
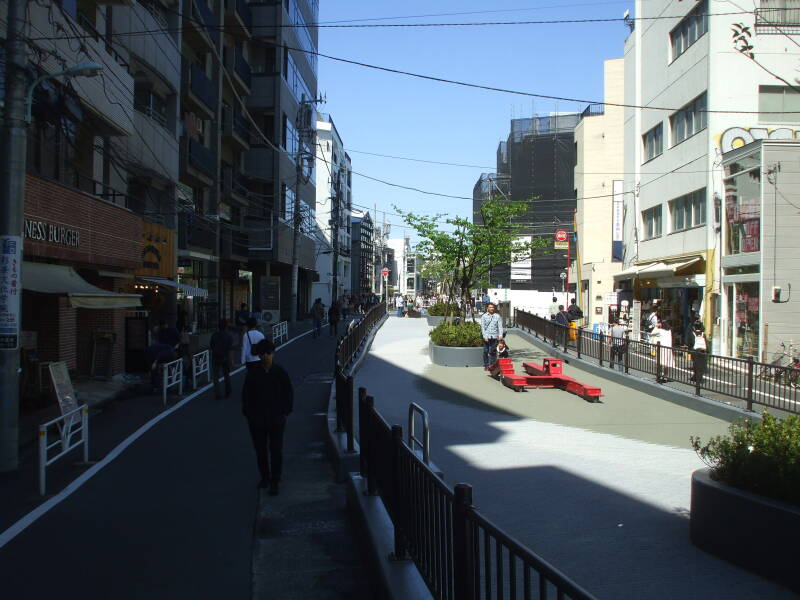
42	231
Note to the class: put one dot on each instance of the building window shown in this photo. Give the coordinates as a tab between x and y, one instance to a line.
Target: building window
653	142
742	226
651	219
688	211
690	29
689	120
410	265
775	99
146	101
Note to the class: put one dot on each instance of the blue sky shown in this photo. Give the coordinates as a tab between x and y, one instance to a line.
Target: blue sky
396	115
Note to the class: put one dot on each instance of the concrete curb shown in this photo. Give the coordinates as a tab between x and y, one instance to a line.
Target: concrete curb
400	578
712	408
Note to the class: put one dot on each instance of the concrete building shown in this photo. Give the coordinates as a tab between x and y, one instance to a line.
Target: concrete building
599	169
707	100
406	274
362	253
334	204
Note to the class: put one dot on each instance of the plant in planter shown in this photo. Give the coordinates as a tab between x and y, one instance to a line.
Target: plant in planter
467	335
760	457
746	505
442	309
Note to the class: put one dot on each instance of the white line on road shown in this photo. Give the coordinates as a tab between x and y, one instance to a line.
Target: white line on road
34	515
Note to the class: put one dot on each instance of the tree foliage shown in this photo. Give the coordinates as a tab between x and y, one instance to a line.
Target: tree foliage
464	253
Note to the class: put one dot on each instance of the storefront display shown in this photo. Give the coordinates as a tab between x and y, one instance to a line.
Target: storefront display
743	311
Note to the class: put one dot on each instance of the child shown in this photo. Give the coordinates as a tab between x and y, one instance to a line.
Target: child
502	349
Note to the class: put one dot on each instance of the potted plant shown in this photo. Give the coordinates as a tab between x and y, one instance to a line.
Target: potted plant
456	345
745	506
438	312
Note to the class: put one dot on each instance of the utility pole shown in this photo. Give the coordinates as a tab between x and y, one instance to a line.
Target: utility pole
335	217
304	132
12	197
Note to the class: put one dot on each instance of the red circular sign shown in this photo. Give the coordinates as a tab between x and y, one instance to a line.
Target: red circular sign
561	235
385	272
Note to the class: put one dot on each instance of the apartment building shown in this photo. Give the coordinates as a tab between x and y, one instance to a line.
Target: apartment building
599	166
334	189
703	99
362	253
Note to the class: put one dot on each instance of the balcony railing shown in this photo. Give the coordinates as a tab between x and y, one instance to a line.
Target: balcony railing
201	87
84	22
242	68
593	110
192	231
71	177
778	20
201	158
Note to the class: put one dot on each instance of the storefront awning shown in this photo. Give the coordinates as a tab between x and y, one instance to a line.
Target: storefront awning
658	269
186	290
59	279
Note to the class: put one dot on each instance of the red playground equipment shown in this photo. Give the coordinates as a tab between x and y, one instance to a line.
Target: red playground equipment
547	375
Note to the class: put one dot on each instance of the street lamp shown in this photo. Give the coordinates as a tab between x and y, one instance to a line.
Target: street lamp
87	69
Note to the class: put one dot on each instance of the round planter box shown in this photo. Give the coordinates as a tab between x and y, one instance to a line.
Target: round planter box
446	356
751	531
434	321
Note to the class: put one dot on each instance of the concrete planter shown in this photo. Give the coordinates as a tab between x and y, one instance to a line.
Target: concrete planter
446	356
434	321
751	531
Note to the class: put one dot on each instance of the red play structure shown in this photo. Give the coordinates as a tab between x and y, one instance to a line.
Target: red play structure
548	375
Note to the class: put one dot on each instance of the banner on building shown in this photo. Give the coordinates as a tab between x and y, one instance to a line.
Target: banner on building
158	251
521	269
617	218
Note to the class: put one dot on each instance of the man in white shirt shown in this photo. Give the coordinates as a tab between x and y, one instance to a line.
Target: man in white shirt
250	338
399	303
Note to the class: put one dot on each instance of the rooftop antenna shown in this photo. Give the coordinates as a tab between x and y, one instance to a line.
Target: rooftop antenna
626	17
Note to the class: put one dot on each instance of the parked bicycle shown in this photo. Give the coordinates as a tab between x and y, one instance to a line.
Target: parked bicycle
784	367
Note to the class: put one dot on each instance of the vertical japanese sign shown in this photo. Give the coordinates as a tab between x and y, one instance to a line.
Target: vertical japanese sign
521	263
617	218
10	290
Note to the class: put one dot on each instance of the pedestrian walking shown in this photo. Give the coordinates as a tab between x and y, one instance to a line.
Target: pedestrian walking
662	335
334	316
250	338
575	312
492	332
241	317
699	350
617	344
157	355
168	335
555	308
562	316
220	345
267	401
317	314
399	303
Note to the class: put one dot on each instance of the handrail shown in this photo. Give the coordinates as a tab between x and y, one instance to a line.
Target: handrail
201	363
280	333
425	442
67	430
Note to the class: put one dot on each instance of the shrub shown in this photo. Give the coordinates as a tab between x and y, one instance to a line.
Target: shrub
463	336
441	309
763	457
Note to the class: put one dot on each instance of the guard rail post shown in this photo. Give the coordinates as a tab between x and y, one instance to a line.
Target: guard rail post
362	410
463	544
566	338
602	342
750	381
348	415
627	350
579	341
658	362
397	485
367	435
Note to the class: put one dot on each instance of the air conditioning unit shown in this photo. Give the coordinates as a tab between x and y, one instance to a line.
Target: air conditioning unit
270	317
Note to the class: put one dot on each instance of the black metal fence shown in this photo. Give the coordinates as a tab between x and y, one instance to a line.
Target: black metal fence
460	553
348	346
769	385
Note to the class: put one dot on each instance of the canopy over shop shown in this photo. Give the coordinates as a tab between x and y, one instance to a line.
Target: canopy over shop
64	280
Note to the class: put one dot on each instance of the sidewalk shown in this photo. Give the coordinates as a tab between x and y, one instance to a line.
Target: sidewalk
599	490
177	513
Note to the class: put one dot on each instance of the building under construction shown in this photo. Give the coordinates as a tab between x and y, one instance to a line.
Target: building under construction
535	165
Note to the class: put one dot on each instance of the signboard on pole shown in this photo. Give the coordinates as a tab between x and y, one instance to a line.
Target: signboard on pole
10	290
561	240
521	267
62	384
385	272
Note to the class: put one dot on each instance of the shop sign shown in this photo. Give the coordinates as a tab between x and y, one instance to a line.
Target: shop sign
62	384
42	231
611	298
10	286
158	251
561	240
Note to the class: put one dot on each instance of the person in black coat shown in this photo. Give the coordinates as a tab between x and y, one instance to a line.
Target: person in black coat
267	401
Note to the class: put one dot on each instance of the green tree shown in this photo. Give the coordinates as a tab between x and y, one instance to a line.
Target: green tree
465	252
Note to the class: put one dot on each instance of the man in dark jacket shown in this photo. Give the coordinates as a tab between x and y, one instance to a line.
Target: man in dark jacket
267	400
220	345
575	312
562	317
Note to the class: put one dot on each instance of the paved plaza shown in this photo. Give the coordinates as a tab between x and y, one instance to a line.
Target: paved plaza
601	490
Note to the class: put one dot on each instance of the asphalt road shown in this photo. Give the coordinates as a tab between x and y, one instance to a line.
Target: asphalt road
174	515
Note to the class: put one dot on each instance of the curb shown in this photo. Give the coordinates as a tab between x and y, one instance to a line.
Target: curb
706	406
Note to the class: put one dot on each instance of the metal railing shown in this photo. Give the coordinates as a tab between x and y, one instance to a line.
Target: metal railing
746	380
280	333
69	425
424	443
777	20
201	363
171	375
593	110
460	553
201	158
349	345
201	86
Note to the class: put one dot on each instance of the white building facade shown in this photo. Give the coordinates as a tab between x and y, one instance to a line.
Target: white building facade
334	204
702	98
407	276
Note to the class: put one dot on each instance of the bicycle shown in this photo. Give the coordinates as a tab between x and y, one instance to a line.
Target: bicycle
788	374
